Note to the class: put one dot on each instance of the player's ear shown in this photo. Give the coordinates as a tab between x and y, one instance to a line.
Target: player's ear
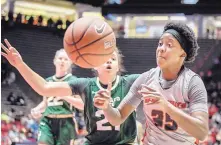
183	54
54	61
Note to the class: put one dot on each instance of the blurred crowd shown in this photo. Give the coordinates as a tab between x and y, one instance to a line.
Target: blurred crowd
17	127
7	75
12	19
212	80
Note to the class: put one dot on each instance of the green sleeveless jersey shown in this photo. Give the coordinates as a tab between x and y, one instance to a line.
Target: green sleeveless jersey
61	106
100	131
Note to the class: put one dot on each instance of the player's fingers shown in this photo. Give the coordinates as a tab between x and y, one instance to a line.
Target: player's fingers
150	96
103	94
109	86
4	48
98	104
146	92
12	49
102	91
150	99
4	54
7	43
99	99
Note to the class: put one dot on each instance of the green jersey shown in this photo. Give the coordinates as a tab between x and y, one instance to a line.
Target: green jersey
61	106
100	131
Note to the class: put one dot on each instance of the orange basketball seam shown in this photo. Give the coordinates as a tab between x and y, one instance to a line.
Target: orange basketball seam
75	43
91	42
94	55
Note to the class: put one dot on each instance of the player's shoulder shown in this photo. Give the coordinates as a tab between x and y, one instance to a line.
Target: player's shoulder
189	72
188	75
130	76
150	73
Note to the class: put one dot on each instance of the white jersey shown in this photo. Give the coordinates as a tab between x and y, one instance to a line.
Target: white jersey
160	128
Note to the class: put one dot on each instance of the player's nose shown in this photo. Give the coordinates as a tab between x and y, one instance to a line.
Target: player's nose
161	48
109	61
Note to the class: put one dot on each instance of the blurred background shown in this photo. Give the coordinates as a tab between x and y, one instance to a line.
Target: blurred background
36	28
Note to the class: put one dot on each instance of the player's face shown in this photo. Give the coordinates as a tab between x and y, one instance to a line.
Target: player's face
111	66
62	62
169	52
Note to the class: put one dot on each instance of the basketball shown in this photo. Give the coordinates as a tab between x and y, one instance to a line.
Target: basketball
89	42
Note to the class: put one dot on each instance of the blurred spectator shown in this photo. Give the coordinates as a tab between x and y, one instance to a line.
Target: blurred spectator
12	98
40	19
59	23
20	100
19	18
121	31
31	20
10	19
50	23
67	23
10	78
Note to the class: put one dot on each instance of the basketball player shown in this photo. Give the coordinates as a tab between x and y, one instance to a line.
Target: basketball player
174	97
58	111
62	68
100	131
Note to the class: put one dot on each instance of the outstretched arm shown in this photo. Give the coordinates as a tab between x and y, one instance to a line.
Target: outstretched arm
38	83
75	100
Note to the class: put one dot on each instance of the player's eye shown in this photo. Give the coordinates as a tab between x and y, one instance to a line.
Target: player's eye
160	43
114	59
170	45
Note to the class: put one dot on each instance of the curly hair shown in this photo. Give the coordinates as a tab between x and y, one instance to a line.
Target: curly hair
189	36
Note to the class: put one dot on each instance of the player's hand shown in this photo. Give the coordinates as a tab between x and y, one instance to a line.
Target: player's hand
11	54
58	98
36	114
103	97
152	96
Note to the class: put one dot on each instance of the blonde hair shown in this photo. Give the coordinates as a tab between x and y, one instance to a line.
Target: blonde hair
61	51
58	52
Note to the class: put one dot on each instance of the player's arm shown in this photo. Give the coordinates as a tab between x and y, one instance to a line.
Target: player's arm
38	110
74	100
41	86
41	106
195	124
38	83
117	116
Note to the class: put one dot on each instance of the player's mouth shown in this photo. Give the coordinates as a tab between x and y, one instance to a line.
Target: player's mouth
109	67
